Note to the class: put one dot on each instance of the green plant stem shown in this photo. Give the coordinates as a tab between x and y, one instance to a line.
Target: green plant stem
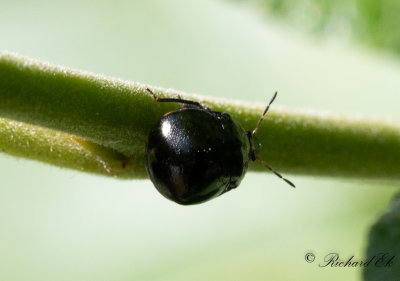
98	124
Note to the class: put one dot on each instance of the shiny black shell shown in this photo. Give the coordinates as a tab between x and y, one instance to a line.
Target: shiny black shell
195	154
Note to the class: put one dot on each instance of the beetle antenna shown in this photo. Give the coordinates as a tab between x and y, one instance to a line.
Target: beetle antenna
263	115
275	172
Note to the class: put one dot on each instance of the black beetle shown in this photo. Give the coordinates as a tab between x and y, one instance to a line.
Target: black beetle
194	154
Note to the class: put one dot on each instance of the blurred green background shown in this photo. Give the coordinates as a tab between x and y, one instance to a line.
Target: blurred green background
371	22
63	225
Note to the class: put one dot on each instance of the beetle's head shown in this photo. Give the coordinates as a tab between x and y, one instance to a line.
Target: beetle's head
254	146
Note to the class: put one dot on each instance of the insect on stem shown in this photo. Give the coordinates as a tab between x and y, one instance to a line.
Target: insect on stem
180	185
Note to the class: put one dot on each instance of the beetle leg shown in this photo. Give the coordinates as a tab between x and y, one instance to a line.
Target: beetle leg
178	96
178	100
